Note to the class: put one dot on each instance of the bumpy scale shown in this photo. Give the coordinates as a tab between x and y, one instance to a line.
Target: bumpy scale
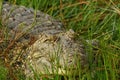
53	51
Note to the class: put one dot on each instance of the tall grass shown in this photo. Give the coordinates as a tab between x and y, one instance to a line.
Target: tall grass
90	19
3	73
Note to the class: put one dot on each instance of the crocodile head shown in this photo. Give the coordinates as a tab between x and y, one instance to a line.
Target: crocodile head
56	53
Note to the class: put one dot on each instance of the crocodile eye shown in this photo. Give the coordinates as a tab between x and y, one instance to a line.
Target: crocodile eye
70	61
38	15
14	19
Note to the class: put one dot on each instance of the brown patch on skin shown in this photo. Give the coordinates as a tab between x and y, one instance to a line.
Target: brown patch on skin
32	40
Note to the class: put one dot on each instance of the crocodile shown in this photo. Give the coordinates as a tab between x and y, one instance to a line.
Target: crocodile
53	50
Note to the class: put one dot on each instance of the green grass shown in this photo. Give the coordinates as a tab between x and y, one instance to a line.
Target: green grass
90	19
3	72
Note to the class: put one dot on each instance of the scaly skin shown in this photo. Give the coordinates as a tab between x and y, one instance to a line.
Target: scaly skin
58	52
20	19
52	41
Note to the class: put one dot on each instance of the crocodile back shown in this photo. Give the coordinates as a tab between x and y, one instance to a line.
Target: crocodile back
28	21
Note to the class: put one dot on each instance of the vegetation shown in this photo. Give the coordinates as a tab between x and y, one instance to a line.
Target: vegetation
90	19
